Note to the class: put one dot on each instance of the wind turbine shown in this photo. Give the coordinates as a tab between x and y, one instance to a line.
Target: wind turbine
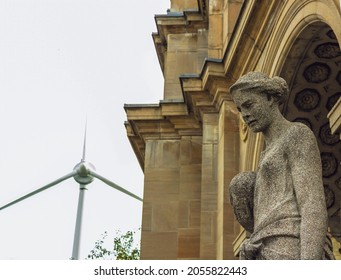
83	173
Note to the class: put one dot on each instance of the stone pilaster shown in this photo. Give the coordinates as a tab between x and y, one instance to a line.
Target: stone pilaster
228	167
209	188
189	197
215	38
172	200
159	236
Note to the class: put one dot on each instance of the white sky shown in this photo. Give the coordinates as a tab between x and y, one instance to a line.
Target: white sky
61	60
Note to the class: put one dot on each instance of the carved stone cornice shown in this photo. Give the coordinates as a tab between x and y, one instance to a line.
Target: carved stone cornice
167	120
206	91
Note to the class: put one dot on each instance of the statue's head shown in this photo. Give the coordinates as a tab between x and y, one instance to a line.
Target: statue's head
257	98
261	83
241	198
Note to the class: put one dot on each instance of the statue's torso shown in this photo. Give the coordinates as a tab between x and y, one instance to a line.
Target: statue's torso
274	197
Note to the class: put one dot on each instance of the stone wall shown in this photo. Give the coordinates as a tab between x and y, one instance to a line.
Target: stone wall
192	143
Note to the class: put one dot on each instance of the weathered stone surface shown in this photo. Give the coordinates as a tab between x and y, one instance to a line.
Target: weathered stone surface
289	209
241	197
210	44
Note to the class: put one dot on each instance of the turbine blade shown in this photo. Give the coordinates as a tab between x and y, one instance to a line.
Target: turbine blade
39	190
84	143
113	185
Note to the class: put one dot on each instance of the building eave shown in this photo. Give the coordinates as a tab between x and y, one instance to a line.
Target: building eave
244	49
203	92
167	120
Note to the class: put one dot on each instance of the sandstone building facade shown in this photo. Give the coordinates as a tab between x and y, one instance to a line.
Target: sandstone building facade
192	143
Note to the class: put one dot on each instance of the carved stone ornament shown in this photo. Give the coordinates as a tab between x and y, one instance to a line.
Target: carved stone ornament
327	137
307	99
329	164
328	50
317	72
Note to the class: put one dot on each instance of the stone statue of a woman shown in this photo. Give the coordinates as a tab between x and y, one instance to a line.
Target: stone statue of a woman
286	211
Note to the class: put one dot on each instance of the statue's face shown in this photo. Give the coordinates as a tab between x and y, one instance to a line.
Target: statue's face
255	109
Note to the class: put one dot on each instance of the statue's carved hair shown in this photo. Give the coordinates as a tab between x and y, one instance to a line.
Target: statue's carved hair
275	86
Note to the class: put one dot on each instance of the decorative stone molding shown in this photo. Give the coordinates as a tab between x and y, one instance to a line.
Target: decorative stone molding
166	120
335	117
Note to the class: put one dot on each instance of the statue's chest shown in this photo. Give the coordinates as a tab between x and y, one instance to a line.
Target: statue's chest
273	163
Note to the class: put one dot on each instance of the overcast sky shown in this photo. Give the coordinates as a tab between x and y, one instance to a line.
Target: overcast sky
61	60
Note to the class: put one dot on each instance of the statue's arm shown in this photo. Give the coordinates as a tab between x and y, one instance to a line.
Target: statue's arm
305	162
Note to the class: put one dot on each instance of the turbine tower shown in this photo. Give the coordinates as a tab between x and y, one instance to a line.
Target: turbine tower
83	173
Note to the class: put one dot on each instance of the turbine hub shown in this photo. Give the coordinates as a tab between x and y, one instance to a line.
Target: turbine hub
83	175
